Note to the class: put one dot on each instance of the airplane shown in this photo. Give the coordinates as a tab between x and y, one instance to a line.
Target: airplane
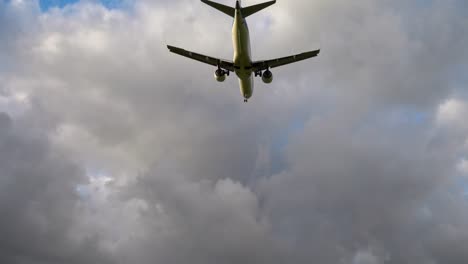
242	63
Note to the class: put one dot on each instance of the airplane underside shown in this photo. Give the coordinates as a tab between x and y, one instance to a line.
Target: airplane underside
242	63
246	87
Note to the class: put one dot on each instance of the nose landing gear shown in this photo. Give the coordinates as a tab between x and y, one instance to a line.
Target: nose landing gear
245	100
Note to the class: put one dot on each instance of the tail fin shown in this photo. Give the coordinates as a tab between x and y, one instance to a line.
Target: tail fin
225	9
247	11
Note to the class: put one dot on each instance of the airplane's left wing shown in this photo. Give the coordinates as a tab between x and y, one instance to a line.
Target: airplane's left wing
224	64
265	64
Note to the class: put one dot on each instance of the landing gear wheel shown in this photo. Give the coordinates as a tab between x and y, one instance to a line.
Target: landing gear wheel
245	100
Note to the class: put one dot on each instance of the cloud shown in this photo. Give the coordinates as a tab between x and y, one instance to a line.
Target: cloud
38	200
452	111
362	189
200	221
463	166
126	153
364	257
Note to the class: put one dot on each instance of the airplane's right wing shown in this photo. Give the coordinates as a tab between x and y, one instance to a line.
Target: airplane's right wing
224	64
265	64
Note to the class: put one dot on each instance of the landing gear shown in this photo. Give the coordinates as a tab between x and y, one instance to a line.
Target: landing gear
258	73
222	71
245	100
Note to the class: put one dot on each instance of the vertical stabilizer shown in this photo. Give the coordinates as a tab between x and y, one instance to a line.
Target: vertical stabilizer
247	11
225	9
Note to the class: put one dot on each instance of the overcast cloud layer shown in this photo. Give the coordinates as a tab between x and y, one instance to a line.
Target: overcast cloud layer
112	150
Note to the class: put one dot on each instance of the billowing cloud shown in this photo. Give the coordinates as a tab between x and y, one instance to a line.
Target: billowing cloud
38	200
452	111
114	150
463	166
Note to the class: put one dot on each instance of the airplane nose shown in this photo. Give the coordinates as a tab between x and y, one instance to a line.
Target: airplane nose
237	4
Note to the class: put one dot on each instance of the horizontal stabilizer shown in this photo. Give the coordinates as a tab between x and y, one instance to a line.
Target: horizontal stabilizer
247	11
230	11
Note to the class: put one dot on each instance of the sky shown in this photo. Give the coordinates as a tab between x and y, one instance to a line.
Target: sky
113	150
47	4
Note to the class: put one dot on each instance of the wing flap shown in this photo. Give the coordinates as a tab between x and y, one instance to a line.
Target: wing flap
225	64
263	65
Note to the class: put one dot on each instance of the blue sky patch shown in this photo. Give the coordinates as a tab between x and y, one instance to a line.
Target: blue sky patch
46	4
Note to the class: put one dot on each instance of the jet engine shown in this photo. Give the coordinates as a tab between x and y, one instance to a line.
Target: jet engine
267	76
220	75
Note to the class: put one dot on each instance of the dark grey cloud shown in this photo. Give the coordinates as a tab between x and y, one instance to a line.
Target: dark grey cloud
365	190
38	201
387	51
136	155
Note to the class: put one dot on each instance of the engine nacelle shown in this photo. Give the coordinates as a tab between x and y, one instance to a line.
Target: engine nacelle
267	76
220	75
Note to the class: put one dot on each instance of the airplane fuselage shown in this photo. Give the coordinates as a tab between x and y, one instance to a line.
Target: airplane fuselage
242	54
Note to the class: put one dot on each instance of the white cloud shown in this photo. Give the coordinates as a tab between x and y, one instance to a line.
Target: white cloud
452	111
463	166
51	44
366	257
14	104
